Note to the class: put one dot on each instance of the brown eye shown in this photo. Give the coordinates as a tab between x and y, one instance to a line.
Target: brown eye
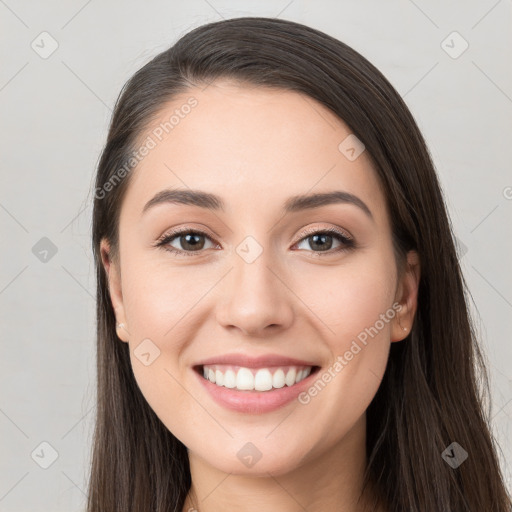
321	241
191	241
188	241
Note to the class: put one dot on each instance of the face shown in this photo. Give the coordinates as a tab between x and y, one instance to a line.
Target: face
316	282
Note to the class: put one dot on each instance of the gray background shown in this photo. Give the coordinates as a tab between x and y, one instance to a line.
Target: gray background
54	114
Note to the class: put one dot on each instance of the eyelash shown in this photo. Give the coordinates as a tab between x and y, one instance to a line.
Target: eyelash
348	243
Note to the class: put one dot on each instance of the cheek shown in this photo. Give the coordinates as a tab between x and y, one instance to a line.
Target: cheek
355	301
159	305
161	302
354	307
158	294
349	298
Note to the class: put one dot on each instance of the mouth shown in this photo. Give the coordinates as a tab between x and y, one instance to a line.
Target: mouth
254	380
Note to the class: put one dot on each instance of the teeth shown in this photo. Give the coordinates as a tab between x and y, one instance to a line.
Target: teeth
229	379
246	379
263	380
290	377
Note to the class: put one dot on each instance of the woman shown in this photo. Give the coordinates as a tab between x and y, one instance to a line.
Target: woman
282	322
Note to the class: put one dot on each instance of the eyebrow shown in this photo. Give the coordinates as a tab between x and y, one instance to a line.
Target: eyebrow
292	204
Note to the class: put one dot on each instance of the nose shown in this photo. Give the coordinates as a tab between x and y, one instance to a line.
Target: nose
254	298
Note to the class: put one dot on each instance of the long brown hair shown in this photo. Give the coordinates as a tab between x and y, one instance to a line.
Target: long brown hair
434	391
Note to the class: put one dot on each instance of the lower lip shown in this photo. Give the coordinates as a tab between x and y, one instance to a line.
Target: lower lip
255	402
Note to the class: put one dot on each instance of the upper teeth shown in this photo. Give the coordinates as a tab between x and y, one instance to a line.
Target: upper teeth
262	379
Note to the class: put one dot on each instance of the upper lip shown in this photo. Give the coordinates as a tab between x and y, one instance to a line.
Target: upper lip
247	361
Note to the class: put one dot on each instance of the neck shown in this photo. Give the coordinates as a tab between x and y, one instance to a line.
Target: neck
332	481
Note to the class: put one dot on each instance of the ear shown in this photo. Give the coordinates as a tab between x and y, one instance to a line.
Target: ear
114	286
407	297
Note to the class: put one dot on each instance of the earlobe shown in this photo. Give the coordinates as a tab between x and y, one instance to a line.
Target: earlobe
407	296
121	331
114	287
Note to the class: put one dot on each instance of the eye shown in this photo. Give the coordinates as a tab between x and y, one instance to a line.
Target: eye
323	240
191	241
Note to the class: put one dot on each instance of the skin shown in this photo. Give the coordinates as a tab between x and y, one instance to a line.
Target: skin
255	147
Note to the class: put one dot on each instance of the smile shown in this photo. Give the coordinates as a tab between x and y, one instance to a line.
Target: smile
257	379
252	390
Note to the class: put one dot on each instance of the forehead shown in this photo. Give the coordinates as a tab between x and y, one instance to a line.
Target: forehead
253	146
